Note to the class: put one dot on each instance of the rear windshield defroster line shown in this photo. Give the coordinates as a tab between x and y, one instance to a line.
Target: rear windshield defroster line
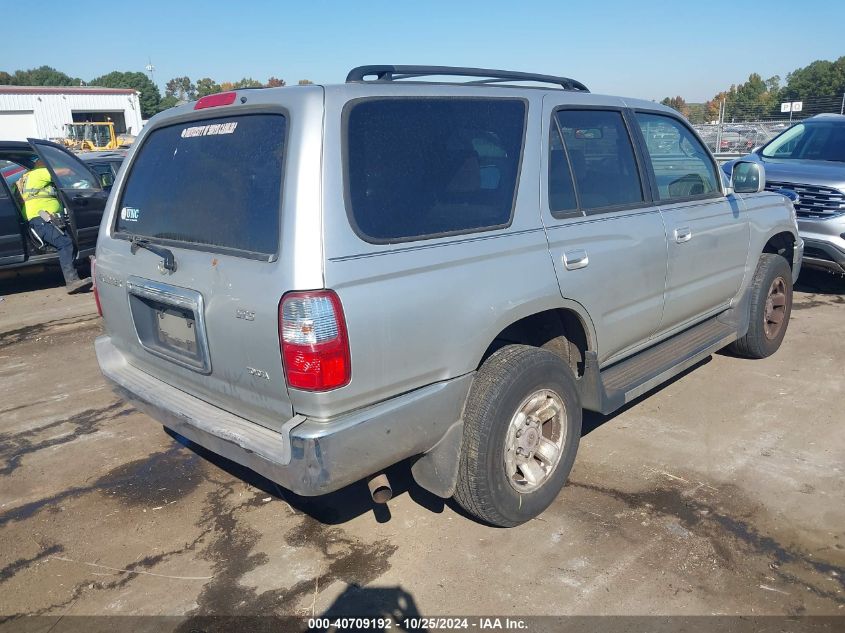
213	184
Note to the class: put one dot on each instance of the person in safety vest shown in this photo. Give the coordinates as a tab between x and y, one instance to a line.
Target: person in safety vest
42	210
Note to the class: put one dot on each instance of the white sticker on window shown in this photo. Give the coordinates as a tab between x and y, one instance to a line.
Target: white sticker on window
130	214
210	130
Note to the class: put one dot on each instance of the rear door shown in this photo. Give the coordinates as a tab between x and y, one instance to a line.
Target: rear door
210	189
11	237
81	192
707	232
606	237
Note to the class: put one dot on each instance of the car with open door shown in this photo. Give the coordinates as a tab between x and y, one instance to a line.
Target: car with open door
82	192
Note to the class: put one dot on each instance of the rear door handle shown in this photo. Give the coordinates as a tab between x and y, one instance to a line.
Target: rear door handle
573	260
683	234
80	200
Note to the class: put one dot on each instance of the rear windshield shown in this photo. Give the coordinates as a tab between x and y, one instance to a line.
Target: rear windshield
212	183
419	168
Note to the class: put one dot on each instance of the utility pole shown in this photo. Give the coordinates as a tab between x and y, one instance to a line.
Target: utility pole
150	69
719	129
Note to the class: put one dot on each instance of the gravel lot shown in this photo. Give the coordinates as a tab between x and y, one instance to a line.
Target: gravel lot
721	492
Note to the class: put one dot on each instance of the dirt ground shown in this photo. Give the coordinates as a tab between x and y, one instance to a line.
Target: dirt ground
719	493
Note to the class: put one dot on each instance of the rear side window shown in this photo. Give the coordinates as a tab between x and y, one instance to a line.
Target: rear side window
561	190
106	172
602	157
682	167
418	168
213	183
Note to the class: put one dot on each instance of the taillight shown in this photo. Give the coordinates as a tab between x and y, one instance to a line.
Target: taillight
314	342
218	99
94	285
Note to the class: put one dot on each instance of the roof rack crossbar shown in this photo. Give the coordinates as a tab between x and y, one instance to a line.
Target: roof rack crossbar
485	75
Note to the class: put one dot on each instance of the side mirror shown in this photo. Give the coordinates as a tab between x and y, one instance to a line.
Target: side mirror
748	177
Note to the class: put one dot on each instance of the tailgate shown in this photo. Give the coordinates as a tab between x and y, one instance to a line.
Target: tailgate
210	193
193	332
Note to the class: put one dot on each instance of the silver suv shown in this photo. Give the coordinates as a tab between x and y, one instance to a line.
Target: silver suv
318	282
809	160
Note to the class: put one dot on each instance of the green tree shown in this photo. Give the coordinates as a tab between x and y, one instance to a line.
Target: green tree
275	82
754	99
207	86
169	101
677	103
182	88
696	113
820	78
749	101
5	78
712	107
149	96
247	82
42	76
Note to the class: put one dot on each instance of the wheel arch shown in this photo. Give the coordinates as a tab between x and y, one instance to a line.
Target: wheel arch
547	325
781	243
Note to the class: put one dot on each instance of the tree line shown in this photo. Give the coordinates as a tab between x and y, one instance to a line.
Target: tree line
761	98
177	90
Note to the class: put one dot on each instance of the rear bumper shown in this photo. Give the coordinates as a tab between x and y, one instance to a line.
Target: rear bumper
309	457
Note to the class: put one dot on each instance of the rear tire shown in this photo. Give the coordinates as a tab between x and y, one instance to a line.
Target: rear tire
771	306
522	426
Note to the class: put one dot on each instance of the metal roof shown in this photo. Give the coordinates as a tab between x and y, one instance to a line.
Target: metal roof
65	90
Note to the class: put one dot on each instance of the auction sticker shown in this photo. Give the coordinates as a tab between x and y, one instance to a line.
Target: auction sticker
210	130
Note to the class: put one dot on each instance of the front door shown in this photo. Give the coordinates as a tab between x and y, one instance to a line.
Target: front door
707	231
81	193
606	238
12	248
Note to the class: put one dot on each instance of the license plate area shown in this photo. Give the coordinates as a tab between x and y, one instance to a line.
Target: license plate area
169	323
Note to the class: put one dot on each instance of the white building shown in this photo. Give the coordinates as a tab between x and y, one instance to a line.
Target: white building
43	111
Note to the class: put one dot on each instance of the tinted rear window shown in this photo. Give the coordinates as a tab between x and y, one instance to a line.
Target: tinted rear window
419	168
215	182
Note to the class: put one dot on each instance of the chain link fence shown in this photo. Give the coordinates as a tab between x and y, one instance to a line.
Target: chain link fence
740	129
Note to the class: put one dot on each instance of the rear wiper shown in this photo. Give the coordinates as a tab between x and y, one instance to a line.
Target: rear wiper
168	261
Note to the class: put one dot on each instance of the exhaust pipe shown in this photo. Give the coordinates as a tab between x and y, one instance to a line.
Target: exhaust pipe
380	489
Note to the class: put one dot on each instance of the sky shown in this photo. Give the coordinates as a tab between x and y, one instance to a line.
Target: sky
631	48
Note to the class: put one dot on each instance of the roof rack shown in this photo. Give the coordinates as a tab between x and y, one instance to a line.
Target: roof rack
485	75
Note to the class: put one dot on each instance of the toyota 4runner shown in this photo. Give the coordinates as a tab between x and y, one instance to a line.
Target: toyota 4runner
318	282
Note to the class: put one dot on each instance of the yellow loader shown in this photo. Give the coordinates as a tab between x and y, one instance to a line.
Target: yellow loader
94	137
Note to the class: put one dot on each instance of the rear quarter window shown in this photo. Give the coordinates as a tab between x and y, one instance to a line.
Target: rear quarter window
213	184
422	168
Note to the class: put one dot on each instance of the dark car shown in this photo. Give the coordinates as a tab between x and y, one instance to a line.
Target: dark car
104	164
809	160
83	194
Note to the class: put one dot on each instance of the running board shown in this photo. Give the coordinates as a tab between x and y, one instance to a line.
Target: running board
609	389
